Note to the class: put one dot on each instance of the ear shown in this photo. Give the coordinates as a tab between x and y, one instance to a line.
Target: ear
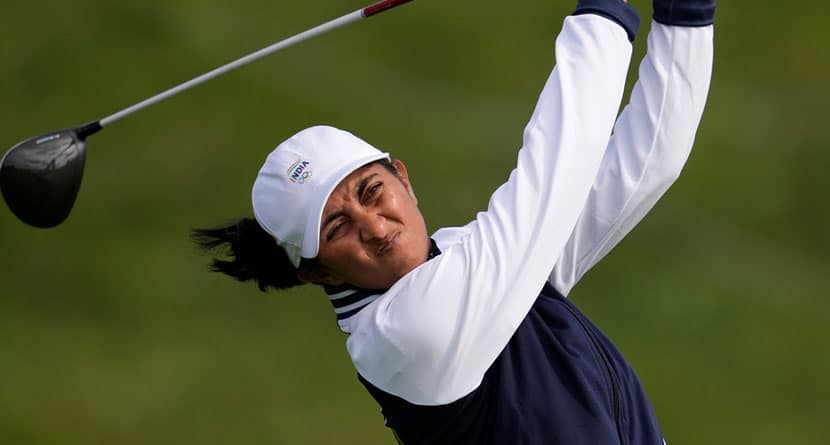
404	177
316	274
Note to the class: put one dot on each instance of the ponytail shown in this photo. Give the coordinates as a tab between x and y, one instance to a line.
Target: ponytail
254	254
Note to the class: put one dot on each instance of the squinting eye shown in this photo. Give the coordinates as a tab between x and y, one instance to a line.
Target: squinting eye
373	190
334	231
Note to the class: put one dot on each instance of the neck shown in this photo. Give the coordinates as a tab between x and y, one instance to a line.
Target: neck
349	300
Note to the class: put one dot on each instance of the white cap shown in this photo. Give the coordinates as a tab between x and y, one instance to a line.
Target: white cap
295	182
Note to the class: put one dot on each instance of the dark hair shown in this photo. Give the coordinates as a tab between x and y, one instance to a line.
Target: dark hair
254	254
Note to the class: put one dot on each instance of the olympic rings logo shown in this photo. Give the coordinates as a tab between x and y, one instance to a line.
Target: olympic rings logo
304	177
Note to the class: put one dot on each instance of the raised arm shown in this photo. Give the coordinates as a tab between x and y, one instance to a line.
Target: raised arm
652	138
433	335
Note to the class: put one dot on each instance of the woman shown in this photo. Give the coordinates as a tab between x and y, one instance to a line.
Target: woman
466	336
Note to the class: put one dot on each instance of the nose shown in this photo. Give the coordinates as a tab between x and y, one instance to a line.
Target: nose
372	227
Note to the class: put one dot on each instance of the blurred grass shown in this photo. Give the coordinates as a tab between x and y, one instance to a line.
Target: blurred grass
113	332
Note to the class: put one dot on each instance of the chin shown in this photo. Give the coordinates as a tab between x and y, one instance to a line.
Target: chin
409	265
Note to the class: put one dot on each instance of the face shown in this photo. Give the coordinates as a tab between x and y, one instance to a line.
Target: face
372	232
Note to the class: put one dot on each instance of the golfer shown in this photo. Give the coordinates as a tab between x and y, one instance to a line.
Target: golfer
465	336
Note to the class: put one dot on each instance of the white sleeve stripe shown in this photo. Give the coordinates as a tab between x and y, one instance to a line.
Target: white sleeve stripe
340	295
354	306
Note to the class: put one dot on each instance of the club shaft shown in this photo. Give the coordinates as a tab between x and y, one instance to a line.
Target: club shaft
305	35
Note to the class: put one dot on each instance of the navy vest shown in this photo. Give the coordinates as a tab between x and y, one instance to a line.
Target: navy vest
558	381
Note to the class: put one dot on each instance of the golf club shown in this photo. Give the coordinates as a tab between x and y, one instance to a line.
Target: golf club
40	177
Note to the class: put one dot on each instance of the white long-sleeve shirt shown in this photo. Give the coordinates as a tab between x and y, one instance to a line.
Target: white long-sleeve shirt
651	142
577	190
430	338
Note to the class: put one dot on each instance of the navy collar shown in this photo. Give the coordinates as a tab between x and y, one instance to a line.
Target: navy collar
348	300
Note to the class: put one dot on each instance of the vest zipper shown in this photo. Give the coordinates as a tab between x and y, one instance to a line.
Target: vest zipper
612	375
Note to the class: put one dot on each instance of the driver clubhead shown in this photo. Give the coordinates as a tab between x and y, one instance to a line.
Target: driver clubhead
40	177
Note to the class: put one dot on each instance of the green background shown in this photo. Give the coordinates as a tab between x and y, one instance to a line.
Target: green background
112	331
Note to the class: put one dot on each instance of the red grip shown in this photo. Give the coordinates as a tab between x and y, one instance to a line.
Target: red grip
382	6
